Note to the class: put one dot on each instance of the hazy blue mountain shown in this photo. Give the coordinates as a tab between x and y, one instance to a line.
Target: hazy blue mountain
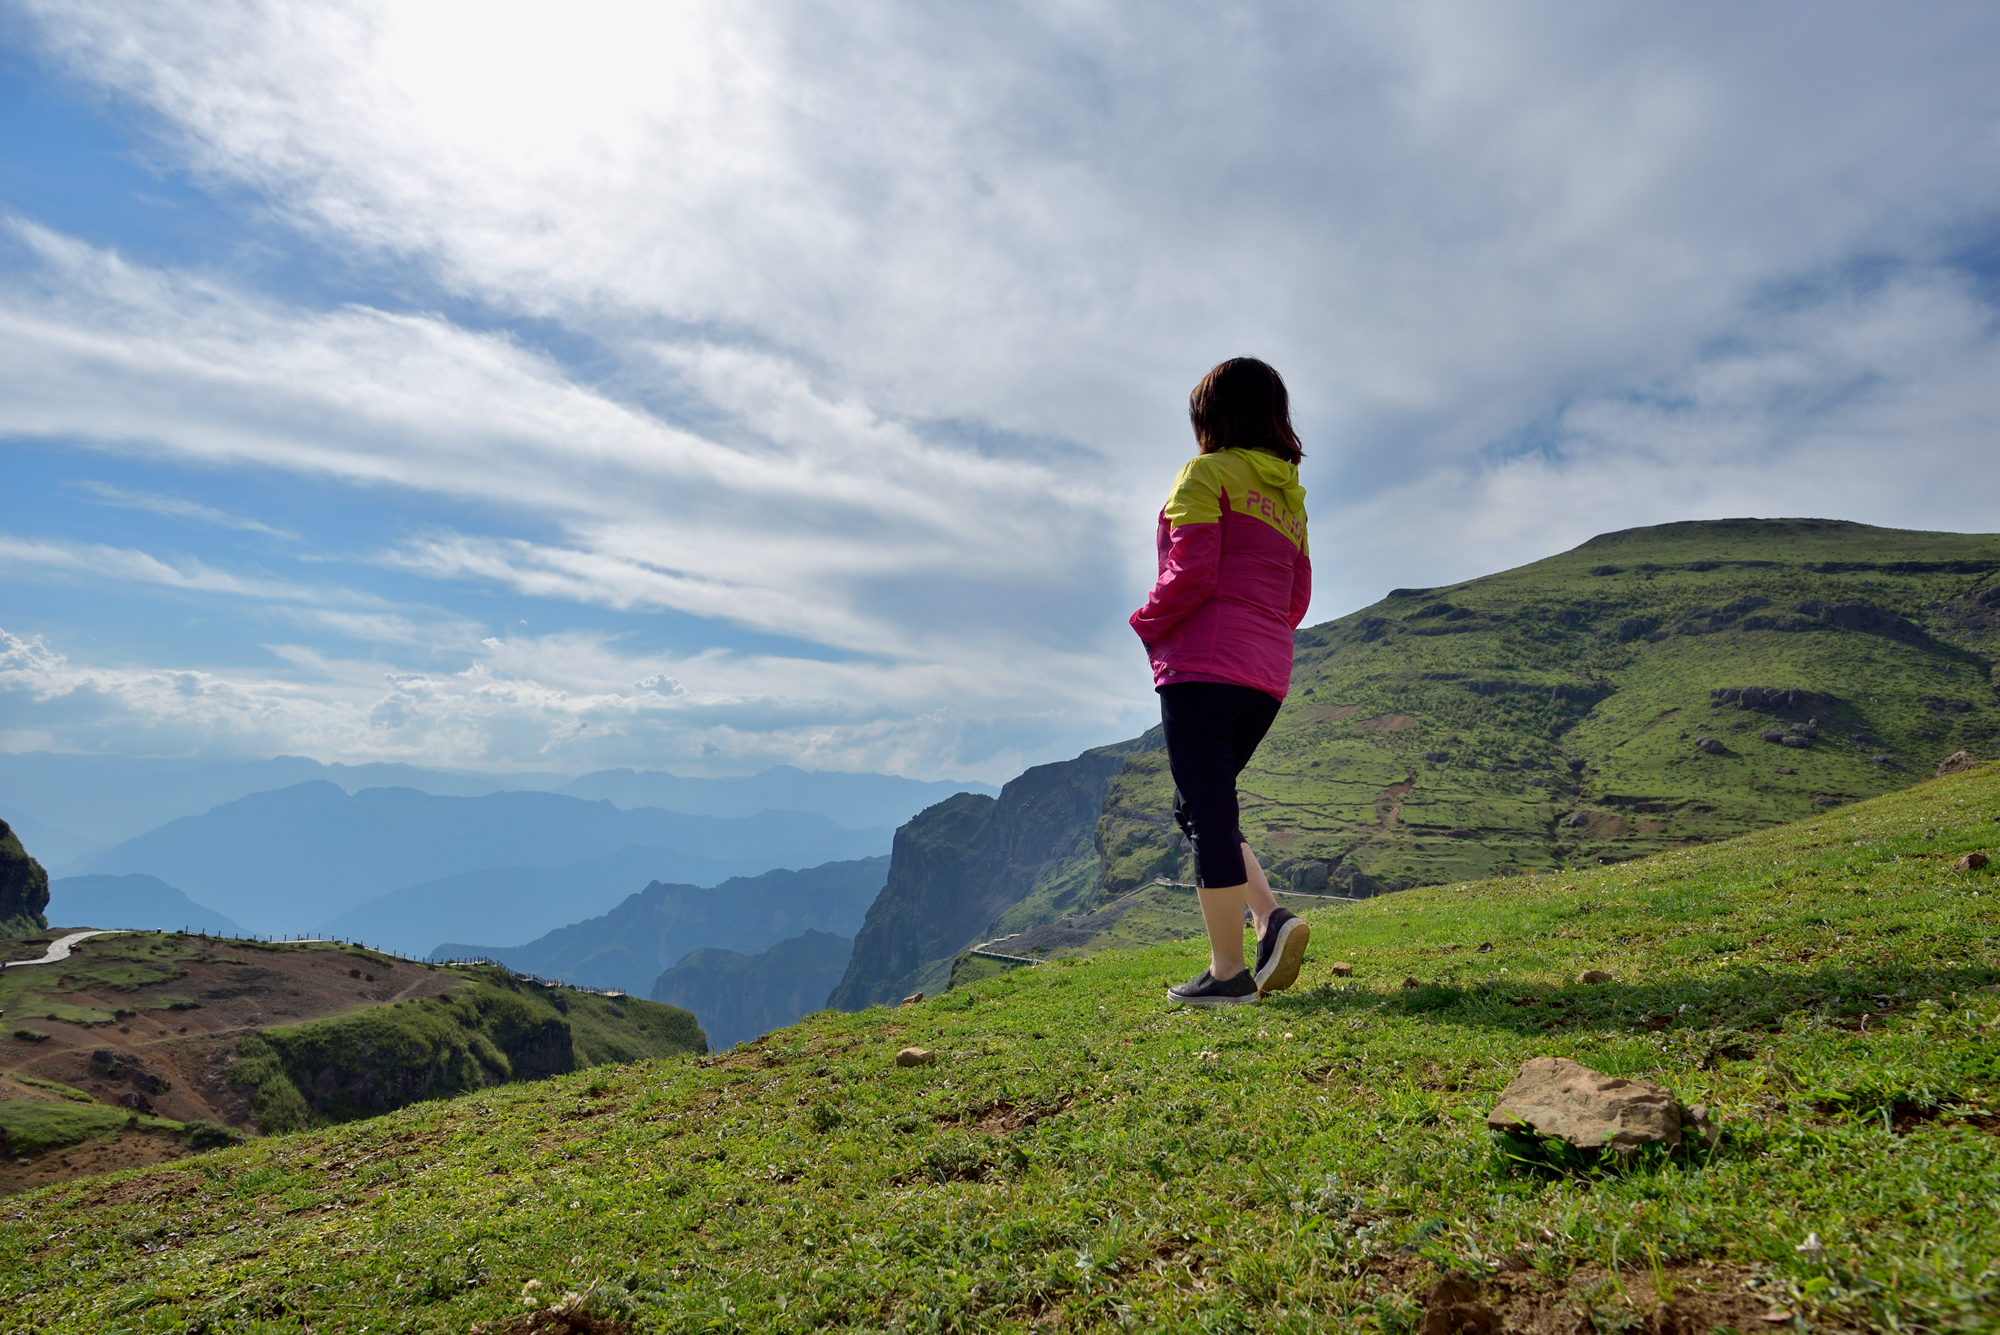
103	800
146	903
289	860
53	847
860	801
738	996
628	947
517	903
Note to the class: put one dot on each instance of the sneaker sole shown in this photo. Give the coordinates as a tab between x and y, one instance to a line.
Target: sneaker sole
1288	958
1243	1000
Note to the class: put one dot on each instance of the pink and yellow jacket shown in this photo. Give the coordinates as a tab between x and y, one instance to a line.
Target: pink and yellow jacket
1235	574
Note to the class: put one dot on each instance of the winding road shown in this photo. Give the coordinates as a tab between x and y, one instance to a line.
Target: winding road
58	949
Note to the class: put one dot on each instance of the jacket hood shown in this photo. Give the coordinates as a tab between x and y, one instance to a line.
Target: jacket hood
1278	475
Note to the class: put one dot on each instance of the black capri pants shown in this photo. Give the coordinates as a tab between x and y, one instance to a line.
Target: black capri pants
1212	728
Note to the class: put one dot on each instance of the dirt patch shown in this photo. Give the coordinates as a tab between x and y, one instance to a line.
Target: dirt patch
1387	723
1389	806
128	1149
1003	1116
560	1321
1677	1300
155	1189
1329	713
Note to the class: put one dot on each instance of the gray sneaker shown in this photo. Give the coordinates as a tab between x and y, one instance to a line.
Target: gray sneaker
1280	951
1204	990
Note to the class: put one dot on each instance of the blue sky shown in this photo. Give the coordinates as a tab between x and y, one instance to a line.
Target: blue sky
707	387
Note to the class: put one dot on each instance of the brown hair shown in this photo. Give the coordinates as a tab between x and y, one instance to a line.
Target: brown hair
1242	405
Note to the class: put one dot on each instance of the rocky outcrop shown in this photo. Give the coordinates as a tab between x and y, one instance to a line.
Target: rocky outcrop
1958	762
1565	1100
24	888
960	867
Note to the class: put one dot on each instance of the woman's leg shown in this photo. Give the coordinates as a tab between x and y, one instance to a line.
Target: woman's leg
1257	892
1222	914
1201	728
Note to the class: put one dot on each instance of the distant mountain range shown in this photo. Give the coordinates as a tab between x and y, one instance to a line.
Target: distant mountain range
138	902
630	946
288	861
98	801
518	903
858	801
70	807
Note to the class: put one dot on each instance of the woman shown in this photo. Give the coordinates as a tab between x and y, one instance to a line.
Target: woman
1234	582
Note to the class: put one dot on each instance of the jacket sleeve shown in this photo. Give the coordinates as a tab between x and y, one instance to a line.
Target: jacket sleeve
1189	574
1302	588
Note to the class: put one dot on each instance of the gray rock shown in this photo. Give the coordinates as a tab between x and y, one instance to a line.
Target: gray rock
1554	1096
1797	741
1577	819
1710	745
915	1057
1956	763
1772	735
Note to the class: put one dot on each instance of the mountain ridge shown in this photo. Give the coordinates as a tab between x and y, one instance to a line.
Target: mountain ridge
291	859
1544	716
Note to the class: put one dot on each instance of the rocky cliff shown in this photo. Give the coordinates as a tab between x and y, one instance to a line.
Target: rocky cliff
973	865
24	888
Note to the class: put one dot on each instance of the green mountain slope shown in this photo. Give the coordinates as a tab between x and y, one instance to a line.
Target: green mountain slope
1077	1157
489	1028
272	1036
1549	716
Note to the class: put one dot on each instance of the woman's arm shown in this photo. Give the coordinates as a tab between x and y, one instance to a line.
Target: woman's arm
1189	574
1302	587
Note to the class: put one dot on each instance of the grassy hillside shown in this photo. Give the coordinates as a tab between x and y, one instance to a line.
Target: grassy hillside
1079	1157
488	1028
1548	716
152	1032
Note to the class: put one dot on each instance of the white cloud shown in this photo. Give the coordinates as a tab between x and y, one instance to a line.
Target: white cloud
567	701
174	507
1876	405
897	306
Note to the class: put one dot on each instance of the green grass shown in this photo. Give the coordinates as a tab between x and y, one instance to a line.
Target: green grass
1080	1157
1452	733
33	1007
32	1126
69	1092
494	1028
